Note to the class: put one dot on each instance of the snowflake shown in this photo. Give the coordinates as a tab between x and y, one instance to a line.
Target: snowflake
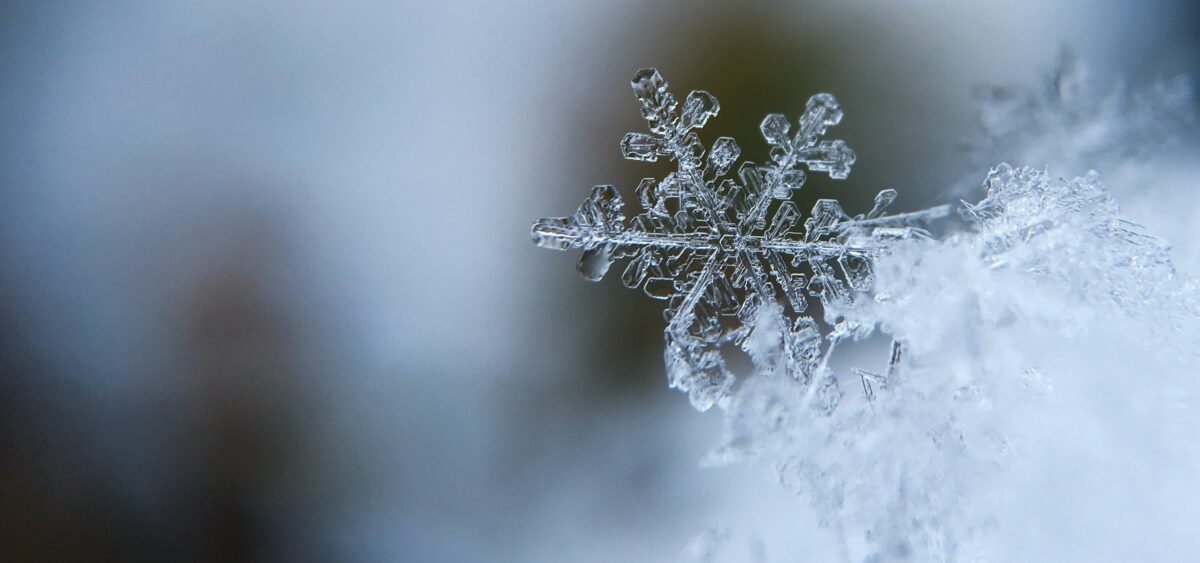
726	253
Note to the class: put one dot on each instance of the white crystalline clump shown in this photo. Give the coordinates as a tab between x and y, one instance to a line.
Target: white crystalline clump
730	254
1039	340
1073	231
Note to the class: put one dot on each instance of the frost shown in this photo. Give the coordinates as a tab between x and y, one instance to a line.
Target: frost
1028	218
730	255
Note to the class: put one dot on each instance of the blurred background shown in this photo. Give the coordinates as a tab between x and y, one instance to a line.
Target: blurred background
268	288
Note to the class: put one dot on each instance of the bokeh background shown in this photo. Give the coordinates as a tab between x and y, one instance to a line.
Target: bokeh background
268	291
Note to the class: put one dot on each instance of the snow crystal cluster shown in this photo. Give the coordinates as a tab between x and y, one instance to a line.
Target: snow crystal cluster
1053	330
1038	401
1142	137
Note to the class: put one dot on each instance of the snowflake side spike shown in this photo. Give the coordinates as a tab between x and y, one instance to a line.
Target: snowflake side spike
705	244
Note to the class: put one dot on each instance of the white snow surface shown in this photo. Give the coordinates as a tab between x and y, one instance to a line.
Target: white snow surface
1044	408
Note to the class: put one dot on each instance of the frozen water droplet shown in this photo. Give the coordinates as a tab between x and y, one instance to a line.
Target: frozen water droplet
648	84
595	262
651	90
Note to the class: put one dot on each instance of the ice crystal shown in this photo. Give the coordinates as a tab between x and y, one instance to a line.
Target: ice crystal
1074	232
730	255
